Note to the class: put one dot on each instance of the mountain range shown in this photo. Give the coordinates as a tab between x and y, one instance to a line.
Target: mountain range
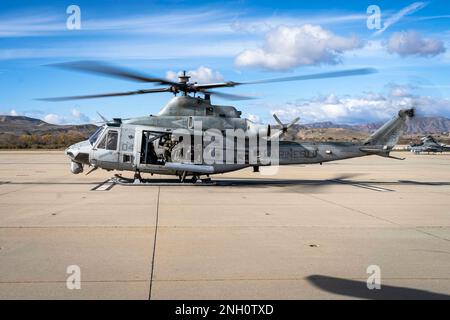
21	125
418	125
25	132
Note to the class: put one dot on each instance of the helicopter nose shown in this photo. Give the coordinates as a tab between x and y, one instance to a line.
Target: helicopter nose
79	152
70	152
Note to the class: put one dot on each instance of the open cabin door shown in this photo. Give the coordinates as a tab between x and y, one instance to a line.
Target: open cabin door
148	150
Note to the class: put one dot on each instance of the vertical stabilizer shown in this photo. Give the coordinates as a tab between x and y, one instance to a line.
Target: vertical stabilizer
391	131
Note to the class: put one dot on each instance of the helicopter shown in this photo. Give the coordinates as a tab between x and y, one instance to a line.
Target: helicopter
192	138
428	144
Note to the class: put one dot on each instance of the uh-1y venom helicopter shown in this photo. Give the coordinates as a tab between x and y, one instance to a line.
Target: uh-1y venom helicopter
428	144
154	144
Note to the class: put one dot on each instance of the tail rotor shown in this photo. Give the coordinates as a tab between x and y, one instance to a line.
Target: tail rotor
284	127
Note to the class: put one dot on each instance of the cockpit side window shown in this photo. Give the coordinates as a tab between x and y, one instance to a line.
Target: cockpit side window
111	142
93	138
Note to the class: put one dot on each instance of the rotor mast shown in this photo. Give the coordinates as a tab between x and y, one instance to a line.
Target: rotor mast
183	79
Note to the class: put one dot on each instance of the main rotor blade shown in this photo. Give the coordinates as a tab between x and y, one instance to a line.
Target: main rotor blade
215	85
323	75
101	68
228	96
104	95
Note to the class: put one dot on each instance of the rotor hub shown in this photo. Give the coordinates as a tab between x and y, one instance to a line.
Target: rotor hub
183	78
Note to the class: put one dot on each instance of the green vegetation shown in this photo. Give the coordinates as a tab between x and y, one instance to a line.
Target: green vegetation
37	141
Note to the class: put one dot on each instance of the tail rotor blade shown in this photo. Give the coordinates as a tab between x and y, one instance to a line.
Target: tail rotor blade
293	122
278	120
284	127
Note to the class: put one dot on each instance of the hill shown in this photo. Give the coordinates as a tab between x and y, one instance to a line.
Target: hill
18	125
329	131
25	132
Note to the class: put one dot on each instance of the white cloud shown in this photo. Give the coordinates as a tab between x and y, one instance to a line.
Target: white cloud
408	43
200	75
397	90
287	47
399	15
54	119
79	116
253	117
13	113
263	24
370	107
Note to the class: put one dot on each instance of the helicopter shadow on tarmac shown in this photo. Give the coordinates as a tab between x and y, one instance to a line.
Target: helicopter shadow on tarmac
309	185
294	185
358	289
304	185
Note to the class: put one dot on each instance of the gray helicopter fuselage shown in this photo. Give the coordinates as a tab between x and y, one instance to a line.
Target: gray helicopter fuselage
151	144
125	155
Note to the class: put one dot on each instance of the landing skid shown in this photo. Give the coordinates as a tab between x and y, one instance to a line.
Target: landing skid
139	181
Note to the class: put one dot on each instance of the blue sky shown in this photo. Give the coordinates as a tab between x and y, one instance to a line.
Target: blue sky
236	40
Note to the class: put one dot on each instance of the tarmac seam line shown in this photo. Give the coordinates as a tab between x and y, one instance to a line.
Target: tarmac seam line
154	244
431	234
356	210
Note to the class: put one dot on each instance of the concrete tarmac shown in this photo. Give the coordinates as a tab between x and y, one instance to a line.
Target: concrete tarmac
308	232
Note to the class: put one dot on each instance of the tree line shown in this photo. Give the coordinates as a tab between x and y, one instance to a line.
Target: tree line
40	141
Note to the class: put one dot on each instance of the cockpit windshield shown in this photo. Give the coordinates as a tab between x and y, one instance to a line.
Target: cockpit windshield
95	135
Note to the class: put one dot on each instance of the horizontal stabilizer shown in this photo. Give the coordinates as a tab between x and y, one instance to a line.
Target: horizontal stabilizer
382	152
377	151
